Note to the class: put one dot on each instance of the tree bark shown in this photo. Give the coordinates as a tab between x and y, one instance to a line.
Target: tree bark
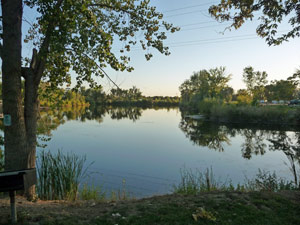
20	136
14	135
31	109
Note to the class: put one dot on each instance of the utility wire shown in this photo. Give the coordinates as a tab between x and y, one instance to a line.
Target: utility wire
186	13
213	40
192	24
188	7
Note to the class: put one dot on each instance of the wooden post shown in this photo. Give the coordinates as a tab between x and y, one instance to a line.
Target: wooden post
13	214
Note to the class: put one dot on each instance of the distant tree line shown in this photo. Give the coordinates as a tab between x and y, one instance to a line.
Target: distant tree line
126	97
213	84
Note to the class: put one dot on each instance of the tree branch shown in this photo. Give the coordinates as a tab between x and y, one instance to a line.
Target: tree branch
24	72
133	14
99	67
41	56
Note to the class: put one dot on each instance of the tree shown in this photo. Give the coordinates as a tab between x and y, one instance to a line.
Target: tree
280	90
255	82
274	12
204	84
227	93
67	35
243	97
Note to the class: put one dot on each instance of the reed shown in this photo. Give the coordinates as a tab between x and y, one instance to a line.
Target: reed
196	181
59	175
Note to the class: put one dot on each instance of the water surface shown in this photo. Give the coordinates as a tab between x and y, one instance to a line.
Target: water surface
143	150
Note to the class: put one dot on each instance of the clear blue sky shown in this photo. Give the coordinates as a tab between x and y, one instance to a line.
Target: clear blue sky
202	46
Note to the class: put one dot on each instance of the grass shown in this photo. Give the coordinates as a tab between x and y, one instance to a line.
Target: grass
211	208
199	198
59	175
195	181
92	192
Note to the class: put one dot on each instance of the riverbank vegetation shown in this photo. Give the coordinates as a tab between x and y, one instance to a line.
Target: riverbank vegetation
127	97
220	208
95	97
207	92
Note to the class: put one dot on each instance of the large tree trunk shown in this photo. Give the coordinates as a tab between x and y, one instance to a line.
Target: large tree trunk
20	136
31	109
14	135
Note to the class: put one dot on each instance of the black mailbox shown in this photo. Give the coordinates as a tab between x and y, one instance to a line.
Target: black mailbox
12	181
17	180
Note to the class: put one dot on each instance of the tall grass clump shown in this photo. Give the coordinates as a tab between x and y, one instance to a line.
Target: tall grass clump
59	175
195	181
267	181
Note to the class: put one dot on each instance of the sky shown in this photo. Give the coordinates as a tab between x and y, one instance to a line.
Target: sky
164	74
201	45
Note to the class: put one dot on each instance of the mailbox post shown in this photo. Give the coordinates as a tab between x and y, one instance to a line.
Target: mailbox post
12	181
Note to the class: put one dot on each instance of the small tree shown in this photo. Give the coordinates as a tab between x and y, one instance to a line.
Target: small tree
255	82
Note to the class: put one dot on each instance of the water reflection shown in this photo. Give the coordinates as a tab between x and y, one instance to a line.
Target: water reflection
254	140
205	134
290	145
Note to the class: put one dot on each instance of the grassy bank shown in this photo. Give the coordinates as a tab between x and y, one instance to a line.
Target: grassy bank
232	113
199	198
224	208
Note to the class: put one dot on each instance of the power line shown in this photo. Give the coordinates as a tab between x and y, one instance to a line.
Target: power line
188	7
214	40
211	39
192	24
186	13
199	28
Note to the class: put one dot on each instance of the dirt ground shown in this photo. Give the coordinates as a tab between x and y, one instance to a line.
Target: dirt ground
35	212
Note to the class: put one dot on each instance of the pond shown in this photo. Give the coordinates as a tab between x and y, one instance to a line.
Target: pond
143	150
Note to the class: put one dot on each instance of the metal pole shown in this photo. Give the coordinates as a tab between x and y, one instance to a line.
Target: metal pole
13	208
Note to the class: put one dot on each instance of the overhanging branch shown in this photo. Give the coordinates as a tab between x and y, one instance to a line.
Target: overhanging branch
99	67
42	55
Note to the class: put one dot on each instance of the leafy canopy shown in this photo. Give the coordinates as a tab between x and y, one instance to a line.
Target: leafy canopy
205	84
273	14
79	35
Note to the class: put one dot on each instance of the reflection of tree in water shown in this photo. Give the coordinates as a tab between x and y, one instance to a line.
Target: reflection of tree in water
289	143
254	142
51	119
205	134
132	113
